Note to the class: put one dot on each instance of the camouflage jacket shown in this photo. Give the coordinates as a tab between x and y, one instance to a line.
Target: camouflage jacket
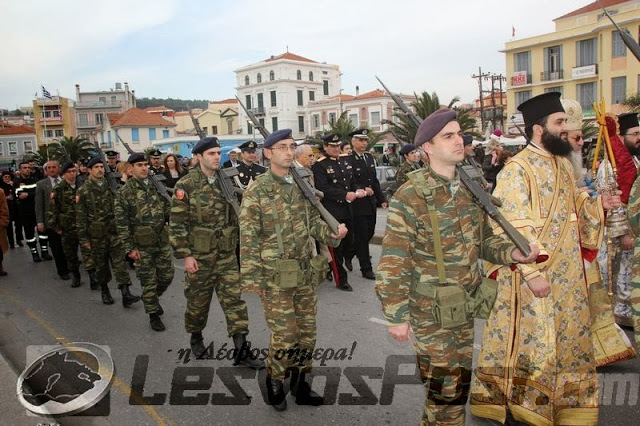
408	255
404	169
196	203
299	222
94	205
62	208
139	204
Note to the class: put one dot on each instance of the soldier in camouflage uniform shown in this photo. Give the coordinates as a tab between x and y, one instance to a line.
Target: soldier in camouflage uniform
62	218
203	231
410	285
141	218
276	215
96	228
411	162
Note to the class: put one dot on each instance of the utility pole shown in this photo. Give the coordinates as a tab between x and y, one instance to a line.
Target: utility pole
494	78
480	77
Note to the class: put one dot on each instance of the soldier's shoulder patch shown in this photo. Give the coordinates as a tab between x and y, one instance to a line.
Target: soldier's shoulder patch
52	195
321	159
180	194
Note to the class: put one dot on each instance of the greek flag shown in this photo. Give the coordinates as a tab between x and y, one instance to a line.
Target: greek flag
45	92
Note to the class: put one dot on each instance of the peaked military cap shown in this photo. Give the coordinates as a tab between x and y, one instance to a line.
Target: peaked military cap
277	136
467	139
432	125
331	139
343	144
539	107
205	144
136	157
360	134
248	146
111	154
93	161
407	148
627	121
155	153
66	166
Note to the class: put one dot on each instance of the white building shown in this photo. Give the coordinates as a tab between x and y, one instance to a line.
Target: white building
91	108
278	91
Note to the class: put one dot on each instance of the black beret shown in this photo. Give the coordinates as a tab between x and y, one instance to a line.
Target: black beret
627	121
248	146
111	153
93	161
360	134
276	137
331	139
432	125
467	139
205	144
539	107
136	157
407	148
66	166
155	153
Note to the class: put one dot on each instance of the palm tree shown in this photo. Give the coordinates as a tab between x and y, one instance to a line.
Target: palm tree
77	148
343	126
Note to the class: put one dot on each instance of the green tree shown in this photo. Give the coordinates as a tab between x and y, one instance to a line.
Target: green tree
633	103
343	126
77	148
41	156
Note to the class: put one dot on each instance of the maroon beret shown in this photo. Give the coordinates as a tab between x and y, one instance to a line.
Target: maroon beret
432	125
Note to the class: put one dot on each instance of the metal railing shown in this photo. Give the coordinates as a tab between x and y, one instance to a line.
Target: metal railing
551	75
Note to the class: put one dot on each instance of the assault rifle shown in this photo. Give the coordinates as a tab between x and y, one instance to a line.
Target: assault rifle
483	199
113	178
307	189
624	35
65	154
156	180
229	191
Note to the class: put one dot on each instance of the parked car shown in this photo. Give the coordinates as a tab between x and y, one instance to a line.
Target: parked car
387	178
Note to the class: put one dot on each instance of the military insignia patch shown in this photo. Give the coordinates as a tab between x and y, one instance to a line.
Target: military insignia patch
241	175
180	194
454	187
52	195
330	170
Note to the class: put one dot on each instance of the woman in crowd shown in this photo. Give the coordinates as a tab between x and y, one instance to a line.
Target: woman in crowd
172	170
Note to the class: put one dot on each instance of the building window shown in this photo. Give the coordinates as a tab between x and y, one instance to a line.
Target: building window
273	98
586	94
274	124
1	149
552	63
298	75
354	119
99	118
325	87
332	117
586	52
301	123
152	134
59	133
246	80
260	101
259	78
109	138
522	61
113	100
617	45
555	89
165	134
375	118
312	95
229	126
249	129
135	135
300	101
310	75
48	133
316	121
618	90
205	130
261	121
523	96
247	101
13	148
83	121
102	100
28	146
214	130
272	76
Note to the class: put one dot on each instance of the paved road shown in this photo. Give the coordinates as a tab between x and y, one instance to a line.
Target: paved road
36	309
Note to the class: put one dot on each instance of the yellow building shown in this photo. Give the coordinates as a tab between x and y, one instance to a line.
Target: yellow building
584	59
54	118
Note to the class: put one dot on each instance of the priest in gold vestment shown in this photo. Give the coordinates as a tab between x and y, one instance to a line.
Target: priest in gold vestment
537	360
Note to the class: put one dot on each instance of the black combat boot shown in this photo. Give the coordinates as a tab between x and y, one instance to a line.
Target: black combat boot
160	310
128	299
275	394
106	294
76	279
348	263
302	391
368	274
34	251
93	283
243	353
156	322
197	345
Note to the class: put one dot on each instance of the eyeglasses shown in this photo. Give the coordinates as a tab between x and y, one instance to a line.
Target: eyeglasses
577	138
636	134
284	148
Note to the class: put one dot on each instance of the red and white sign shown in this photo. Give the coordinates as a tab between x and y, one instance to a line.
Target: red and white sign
519	78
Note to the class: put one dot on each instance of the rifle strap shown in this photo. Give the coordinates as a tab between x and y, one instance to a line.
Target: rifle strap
197	181
274	216
421	187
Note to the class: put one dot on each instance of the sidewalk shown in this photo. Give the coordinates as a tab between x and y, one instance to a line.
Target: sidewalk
13	413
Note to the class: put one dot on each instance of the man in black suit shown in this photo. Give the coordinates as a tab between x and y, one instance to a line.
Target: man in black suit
233	159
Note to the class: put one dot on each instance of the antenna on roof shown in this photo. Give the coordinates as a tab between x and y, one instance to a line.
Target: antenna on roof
287	48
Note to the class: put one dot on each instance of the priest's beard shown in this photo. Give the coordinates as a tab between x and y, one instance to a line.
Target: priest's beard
576	161
555	144
633	149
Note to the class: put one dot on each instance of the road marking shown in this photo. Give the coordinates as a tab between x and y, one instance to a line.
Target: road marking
117	382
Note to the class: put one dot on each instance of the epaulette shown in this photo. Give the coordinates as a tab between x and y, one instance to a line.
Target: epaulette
321	159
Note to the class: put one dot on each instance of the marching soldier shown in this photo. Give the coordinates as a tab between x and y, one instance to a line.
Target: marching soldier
332	176
96	227
155	168
411	162
248	169
141	218
204	232
277	225
62	218
112	159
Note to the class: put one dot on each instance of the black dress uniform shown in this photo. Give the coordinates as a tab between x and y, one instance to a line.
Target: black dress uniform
111	154
156	155
332	176
364	209
247	173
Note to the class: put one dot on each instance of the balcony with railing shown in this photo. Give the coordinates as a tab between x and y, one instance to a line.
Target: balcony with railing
87	124
100	104
258	111
551	75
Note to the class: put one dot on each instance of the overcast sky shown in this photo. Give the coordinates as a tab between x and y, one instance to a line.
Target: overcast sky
189	49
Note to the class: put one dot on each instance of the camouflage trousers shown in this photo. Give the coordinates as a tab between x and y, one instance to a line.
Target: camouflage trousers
87	259
108	250
155	271
291	317
444	357
70	249
219	273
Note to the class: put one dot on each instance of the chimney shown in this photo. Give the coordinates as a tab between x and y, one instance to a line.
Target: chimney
357	90
126	86
78	92
118	86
